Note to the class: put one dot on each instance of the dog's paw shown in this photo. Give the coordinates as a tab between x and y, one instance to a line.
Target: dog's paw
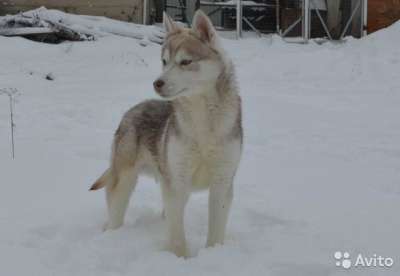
179	251
111	226
105	226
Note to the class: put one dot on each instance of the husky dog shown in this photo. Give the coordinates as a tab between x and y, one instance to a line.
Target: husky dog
189	141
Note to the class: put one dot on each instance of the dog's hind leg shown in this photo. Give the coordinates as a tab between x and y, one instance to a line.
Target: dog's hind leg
117	195
124	173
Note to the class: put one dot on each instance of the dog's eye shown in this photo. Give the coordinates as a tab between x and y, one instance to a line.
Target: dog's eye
185	62
164	62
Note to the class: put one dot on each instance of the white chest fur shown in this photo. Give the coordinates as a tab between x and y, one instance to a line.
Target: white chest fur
205	124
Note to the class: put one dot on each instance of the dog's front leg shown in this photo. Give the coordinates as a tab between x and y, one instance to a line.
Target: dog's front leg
175	197
220	199
221	190
176	187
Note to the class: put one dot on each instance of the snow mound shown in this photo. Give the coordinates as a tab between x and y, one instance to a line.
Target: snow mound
385	36
94	26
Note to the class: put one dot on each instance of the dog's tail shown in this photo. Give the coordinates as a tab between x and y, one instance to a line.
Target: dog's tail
102	181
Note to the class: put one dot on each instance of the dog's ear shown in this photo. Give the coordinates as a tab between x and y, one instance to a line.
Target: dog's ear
169	24
203	27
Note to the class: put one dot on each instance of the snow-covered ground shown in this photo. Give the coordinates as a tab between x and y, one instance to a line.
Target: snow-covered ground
320	170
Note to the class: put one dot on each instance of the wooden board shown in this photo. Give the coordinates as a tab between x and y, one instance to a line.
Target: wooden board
127	10
382	13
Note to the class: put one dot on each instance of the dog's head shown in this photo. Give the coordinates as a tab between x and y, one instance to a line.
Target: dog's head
191	59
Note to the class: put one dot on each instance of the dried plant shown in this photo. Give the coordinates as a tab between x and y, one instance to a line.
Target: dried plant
11	93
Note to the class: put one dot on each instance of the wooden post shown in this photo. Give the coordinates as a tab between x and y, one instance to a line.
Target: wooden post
334	17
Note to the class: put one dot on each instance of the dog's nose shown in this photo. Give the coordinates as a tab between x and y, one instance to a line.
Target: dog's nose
158	84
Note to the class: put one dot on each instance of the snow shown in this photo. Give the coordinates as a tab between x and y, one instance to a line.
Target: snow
320	169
